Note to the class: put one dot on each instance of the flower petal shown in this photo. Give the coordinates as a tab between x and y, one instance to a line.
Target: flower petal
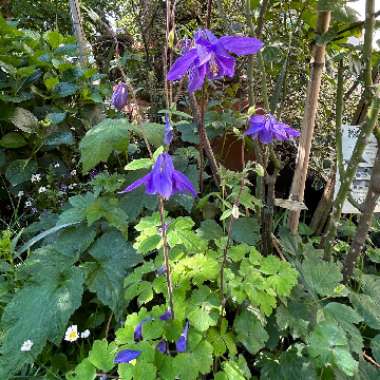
162	173
168	132
226	65
182	184
162	346
181	343
126	356
167	315
196	78
137	334
141	181
182	65
241	45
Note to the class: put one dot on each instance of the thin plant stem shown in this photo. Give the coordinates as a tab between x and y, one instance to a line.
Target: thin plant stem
231	220
165	248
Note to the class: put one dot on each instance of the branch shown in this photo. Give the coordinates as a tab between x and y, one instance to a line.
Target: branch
308	122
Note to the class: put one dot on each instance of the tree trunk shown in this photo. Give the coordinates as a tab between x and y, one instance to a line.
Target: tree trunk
364	221
78	31
308	122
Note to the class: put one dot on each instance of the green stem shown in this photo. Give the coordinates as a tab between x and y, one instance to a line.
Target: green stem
165	248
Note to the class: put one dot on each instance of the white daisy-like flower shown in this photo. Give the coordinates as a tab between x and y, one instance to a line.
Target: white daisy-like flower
85	334
26	346
71	334
56	165
42	189
35	178
73	172
28	204
20	194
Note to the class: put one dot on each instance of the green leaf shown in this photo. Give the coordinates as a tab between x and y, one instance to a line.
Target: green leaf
56	117
83	371
24	120
375	347
246	230
250	332
320	276
64	89
328	345
154	132
114	258
20	171
60	138
368	308
13	140
100	141
141	163
102	355
210	230
291	364
51	82
39	311
54	38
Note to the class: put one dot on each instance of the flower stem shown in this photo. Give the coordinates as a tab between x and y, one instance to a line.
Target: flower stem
165	248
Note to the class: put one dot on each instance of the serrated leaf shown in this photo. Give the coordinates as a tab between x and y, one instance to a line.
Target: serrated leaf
250	332
114	258
328	345
375	347
102	355
39	311
64	89
85	370
100	141
367	308
246	230
210	230
60	138
321	277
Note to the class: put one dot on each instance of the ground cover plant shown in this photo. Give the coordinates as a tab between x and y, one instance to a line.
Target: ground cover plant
168	204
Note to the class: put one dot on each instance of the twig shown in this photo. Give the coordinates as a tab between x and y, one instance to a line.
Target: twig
277	247
204	141
208	17
371	360
108	325
308	122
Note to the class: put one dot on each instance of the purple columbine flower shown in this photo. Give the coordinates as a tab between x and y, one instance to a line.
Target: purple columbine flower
167	315
181	344
168	133
162	346
266	128
126	356
210	56
137	334
120	96
163	179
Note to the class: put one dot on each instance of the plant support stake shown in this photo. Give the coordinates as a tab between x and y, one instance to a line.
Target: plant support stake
308	122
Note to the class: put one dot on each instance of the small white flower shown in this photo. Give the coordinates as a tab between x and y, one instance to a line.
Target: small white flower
26	346
71	334
35	178
20	194
56	165
42	189
28	204
73	172
85	334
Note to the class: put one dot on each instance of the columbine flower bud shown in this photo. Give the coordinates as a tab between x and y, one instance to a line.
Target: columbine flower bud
120	96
